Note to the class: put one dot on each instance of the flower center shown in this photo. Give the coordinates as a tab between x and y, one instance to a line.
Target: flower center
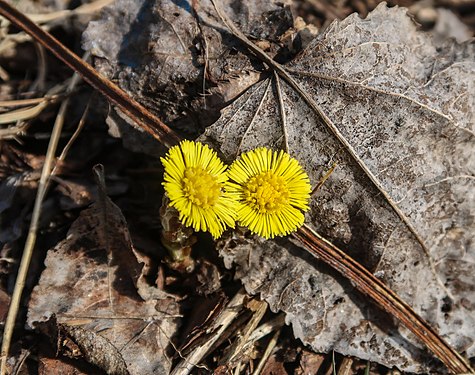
266	192
200	187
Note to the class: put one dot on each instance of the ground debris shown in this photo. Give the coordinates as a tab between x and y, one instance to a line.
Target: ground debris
90	285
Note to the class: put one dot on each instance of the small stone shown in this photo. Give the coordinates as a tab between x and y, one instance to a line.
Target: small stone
427	17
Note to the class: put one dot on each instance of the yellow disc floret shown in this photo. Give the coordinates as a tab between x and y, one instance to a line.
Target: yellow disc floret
196	182
266	192
200	187
272	191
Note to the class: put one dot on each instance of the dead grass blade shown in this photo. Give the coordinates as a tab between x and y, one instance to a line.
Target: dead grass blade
225	318
22	102
82	9
24	113
235	353
12	132
270	347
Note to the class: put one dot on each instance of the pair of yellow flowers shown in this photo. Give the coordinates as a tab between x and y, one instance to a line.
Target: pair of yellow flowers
264	190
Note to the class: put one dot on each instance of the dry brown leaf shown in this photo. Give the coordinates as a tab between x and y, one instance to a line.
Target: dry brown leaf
405	107
167	58
90	285
47	366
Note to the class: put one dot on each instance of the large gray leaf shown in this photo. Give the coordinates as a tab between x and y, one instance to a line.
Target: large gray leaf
406	108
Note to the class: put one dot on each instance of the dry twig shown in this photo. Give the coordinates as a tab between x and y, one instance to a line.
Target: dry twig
219	326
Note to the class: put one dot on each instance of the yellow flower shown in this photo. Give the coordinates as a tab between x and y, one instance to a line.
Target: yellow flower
195	182
272	190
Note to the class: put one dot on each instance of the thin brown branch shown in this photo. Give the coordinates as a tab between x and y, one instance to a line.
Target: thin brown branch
384	297
134	110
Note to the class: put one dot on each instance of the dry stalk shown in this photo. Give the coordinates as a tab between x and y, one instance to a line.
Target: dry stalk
235	353
270	347
75	135
86	8
345	366
33	229
222	322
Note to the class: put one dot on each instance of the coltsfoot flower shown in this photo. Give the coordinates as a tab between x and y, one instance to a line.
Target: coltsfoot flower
272	192
195	182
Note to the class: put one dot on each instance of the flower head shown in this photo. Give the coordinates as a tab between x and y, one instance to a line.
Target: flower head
195	182
271	189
